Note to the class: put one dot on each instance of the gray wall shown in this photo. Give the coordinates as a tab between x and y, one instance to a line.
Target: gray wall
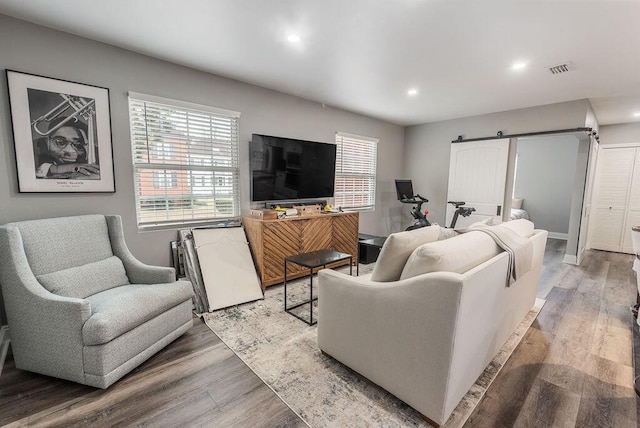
427	146
38	50
619	134
545	179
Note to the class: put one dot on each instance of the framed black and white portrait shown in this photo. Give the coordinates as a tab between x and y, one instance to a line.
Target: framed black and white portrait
62	134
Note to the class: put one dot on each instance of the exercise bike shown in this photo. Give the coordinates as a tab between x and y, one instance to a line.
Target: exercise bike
461	210
404	191
405	188
419	217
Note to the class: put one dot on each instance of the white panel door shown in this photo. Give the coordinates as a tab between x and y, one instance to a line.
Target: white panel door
478	176
613	179
607	229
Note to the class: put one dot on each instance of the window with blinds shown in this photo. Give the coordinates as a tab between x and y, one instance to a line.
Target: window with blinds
185	161
356	159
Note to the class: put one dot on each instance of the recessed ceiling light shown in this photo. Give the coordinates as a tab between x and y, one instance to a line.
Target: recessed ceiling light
519	66
636	114
294	38
412	92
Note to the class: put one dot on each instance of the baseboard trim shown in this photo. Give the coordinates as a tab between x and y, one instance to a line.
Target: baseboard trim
4	345
570	259
556	235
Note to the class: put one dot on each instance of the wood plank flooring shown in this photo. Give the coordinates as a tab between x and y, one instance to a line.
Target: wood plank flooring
195	381
573	368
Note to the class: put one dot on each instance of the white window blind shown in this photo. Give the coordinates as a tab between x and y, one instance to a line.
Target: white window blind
185	161
356	160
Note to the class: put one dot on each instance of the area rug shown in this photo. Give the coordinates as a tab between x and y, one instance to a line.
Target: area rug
283	351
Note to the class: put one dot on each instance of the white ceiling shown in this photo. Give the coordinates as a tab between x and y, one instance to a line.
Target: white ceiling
363	55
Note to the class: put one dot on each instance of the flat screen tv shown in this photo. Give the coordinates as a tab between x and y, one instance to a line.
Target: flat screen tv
289	169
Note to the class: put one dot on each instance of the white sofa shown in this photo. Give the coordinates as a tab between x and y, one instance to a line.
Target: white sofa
428	336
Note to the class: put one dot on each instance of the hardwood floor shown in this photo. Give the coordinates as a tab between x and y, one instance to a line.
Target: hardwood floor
573	368
195	381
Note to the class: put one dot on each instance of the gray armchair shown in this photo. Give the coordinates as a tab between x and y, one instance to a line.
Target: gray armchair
79	305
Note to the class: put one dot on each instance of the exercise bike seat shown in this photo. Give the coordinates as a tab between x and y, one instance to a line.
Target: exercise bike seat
456	204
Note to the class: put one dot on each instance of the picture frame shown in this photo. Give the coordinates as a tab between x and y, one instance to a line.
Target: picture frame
61	134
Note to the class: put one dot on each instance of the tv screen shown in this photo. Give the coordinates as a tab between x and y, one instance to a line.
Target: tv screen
287	169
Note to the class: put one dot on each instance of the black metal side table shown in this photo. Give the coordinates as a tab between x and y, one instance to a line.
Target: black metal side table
312	260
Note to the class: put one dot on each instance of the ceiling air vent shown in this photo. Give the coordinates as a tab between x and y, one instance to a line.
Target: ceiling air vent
561	68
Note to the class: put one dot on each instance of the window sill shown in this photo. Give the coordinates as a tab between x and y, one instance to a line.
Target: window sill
227	222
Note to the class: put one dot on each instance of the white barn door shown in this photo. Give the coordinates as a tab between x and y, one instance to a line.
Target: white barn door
478	176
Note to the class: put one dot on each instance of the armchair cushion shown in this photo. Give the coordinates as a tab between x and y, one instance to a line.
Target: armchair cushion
61	243
118	310
397	249
86	280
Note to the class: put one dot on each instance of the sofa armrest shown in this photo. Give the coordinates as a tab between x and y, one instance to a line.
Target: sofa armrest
397	334
138	272
30	310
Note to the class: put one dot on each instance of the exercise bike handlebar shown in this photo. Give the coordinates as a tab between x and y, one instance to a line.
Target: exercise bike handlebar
413	200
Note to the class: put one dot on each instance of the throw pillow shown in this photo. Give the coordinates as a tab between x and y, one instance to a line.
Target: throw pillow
397	249
446	233
517	203
86	280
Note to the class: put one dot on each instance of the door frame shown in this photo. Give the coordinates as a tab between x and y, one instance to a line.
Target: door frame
577	205
585	219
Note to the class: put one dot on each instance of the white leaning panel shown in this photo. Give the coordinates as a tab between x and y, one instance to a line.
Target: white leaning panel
227	268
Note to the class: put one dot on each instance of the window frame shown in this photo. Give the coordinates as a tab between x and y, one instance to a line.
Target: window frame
340	138
208	164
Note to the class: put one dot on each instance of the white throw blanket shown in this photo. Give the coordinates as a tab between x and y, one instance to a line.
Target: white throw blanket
519	248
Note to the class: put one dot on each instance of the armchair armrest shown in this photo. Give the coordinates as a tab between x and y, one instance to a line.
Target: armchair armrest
30	311
138	272
397	334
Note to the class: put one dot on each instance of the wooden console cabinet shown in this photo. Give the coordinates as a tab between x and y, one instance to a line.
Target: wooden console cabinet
273	240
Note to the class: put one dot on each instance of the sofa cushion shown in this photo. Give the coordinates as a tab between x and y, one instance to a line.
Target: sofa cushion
118	310
521	226
85	280
447	232
397	249
489	221
457	254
